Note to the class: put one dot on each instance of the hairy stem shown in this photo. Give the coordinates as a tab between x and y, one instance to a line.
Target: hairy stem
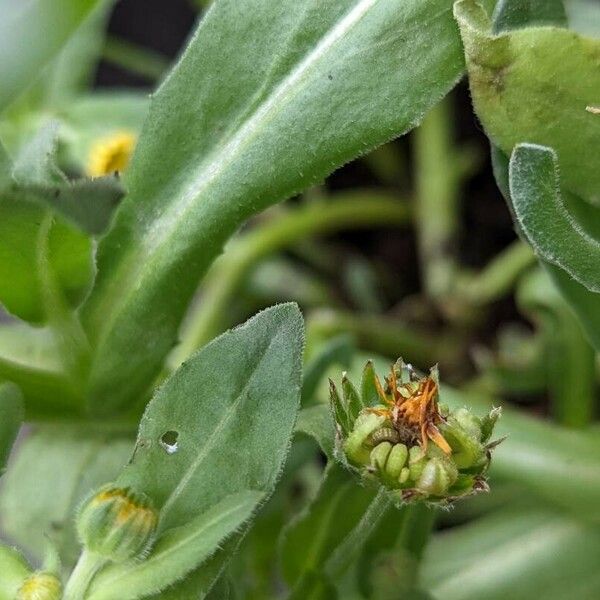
356	210
86	568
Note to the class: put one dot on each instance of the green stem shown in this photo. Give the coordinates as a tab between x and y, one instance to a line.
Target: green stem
71	340
348	210
497	278
81	577
131	57
387	336
437	182
417	525
349	550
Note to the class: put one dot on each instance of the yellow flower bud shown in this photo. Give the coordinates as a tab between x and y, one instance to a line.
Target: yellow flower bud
117	523
111	154
40	586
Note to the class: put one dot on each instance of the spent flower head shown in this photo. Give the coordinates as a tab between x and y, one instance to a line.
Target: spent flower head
398	434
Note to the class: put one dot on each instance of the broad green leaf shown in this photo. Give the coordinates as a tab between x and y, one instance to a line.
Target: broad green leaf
177	551
13	570
554	232
29	357
513	14
515	555
223	422
31	34
314	586
53	470
12	414
534	85
324	525
258	109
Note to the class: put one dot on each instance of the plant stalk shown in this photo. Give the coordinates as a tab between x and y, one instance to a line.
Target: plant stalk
86	568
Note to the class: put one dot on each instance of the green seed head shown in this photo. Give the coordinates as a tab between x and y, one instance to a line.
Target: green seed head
406	442
117	523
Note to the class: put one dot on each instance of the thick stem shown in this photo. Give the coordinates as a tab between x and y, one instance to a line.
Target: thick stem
363	209
81	577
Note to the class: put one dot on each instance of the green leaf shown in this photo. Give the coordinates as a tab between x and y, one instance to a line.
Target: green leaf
323	526
513	14
223	422
54	469
336	351
258	109
533	85
553	231
69	252
515	555
314	586
12	414
30	358
13	570
31	34
317	422
177	551
584	302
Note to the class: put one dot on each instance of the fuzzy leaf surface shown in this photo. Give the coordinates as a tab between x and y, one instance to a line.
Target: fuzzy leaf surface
229	411
268	99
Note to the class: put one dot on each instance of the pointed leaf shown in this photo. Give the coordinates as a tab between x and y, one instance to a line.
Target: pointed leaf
258	109
352	399
317	422
368	391
223	422
176	552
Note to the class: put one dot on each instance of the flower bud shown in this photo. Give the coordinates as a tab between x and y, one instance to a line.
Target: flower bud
403	439
40	586
117	523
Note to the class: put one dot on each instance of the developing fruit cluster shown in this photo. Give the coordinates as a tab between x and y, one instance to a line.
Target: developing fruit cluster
398	434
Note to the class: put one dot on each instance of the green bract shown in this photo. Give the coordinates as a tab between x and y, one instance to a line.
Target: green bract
384	442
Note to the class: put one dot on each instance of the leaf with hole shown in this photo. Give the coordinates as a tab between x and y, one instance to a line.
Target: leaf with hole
222	423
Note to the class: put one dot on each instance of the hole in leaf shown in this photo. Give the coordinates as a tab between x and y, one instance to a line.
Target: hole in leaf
168	440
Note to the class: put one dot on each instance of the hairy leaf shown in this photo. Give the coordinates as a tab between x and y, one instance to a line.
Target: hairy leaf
268	99
222	423
550	227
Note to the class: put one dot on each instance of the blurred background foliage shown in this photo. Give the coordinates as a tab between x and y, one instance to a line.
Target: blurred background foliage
408	251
